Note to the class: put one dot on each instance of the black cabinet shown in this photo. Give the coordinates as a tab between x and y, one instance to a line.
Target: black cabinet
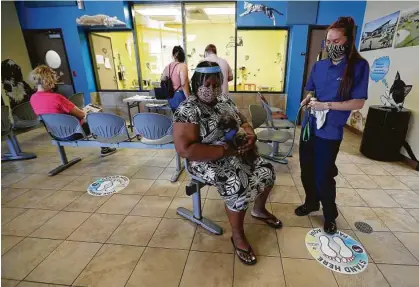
384	133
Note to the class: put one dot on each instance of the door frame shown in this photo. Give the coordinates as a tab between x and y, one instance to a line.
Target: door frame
53	30
310	29
93	61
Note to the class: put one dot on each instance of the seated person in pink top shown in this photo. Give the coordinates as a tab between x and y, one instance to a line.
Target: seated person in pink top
44	101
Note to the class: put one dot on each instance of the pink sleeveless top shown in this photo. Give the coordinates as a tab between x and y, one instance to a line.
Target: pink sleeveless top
174	74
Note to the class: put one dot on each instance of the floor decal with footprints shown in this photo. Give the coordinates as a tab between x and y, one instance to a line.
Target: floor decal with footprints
108	185
338	252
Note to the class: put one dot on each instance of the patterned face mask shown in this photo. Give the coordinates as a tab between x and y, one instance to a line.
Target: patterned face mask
335	52
207	94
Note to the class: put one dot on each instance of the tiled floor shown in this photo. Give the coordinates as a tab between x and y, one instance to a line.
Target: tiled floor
54	233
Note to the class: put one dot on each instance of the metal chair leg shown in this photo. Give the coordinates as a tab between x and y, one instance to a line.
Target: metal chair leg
196	214
179	169
65	164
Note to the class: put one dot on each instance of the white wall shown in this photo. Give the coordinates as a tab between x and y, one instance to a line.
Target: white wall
405	60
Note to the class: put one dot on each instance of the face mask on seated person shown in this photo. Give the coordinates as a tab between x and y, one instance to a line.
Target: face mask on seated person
207	94
336	52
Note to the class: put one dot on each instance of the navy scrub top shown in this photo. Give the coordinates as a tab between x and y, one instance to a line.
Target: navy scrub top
325	78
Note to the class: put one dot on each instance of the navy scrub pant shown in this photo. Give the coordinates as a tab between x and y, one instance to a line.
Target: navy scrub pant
318	169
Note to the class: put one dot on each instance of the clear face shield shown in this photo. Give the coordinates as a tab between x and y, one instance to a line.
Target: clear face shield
207	83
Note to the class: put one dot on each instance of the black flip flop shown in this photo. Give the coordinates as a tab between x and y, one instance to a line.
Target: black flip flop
248	252
277	224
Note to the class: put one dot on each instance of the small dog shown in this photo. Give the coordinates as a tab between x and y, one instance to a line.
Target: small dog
236	136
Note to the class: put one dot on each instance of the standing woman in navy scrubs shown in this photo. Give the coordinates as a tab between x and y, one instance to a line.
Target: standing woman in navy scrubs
340	85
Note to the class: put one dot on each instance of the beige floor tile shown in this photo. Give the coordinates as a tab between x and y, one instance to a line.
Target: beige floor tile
61	225
25	256
159	161
414	213
364	214
112	168
406	198
291	242
9	213
215	210
267	273
165	153
285	212
119	204
285	194
284	179
135	230
8	193
317	220
9	283
360	181
28	222
35	284
137	186
30	198
349	168
149	172
377	198
7	242
410	241
163	188
42	181
173	233
400	276
303	273
399	170
384	247
212	193
372	169
152	206
397	219
97	228
370	277
111	266
64	264
81	183
342	182
180	202
159	267
411	181
199	263
168	173
12	178
348	197
263	239
58	200
360	159
388	182
206	241
343	158
87	203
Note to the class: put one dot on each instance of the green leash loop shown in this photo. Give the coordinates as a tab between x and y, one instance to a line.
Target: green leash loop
306	129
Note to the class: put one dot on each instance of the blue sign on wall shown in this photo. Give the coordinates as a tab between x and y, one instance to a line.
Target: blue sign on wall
379	68
261	13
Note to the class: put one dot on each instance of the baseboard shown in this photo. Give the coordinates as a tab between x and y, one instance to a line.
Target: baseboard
354	130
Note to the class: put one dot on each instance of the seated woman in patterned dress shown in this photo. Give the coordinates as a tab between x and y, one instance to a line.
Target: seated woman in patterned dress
196	134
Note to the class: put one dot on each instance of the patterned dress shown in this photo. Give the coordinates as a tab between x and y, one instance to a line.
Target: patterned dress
237	183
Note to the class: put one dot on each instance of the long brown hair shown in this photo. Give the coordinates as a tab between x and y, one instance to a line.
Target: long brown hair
347	26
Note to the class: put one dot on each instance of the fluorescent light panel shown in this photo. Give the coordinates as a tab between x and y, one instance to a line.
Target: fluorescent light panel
220	11
158	11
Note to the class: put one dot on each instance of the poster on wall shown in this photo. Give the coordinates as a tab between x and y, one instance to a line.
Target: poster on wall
379	34
407	33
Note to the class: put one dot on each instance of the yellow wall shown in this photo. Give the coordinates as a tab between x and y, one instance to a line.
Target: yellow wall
12	42
262	48
119	42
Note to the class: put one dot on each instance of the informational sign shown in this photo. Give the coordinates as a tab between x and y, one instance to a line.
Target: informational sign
338	252
379	68
108	185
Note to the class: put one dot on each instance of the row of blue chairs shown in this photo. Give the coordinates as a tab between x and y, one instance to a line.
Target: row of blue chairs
151	131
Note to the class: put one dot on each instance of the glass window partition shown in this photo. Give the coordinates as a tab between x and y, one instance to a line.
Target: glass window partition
159	29
261	60
210	23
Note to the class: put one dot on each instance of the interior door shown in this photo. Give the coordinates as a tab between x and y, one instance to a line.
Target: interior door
316	52
102	54
46	47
